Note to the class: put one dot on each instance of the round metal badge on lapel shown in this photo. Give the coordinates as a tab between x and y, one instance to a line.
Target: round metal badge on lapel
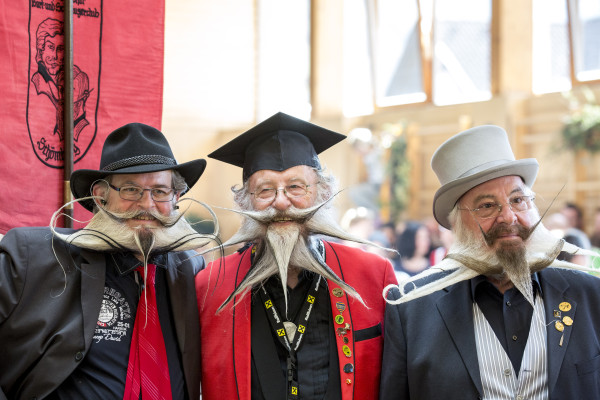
564	306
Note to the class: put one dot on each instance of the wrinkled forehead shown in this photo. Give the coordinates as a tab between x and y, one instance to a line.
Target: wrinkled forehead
300	173
163	178
498	188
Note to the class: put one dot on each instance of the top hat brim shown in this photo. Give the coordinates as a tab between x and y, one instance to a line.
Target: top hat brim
447	196
82	179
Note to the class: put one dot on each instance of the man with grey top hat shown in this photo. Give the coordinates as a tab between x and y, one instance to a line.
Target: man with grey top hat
290	315
107	311
500	317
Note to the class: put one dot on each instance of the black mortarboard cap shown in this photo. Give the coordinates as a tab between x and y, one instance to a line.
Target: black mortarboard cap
278	143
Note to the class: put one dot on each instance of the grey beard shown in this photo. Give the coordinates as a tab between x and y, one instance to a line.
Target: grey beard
281	248
107	231
471	255
507	261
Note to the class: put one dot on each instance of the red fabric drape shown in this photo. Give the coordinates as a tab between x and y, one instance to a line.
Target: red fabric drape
118	51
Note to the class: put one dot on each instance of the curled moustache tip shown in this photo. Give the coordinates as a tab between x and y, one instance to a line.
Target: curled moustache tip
208	208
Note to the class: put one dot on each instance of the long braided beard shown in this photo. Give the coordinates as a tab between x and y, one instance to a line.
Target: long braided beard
281	247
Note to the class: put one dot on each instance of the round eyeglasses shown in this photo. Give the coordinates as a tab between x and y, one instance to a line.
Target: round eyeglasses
293	191
493	209
135	193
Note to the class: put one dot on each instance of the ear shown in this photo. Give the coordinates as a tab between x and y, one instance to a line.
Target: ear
101	189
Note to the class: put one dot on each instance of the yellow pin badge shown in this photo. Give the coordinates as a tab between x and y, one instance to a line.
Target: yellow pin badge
562	321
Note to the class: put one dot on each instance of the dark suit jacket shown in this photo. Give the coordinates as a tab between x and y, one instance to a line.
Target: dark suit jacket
48	313
430	352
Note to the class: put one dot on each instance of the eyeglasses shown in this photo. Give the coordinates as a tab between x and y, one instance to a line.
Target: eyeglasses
135	193
293	191
493	209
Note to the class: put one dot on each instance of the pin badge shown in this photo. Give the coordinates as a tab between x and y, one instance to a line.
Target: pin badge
346	340
568	321
340	306
564	306
347	351
348	381
339	319
337	292
559	326
348	368
342	331
556	314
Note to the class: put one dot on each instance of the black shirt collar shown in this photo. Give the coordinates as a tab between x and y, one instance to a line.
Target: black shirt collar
127	262
481	279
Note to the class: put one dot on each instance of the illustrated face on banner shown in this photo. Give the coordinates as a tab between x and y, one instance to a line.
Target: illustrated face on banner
45	108
53	52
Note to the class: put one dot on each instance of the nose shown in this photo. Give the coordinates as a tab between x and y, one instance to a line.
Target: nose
281	201
146	202
507	215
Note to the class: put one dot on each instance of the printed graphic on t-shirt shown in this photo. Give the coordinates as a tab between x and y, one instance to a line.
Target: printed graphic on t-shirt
114	320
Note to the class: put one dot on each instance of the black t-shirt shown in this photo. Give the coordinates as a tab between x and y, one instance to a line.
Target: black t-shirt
101	374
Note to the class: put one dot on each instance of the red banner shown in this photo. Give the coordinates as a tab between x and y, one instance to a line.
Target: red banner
117	74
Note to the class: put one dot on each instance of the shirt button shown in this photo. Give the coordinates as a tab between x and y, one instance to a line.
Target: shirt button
508	303
515	338
507	372
78	356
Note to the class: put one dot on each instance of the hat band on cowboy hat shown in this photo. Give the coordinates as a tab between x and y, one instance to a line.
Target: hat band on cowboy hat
140	160
134	149
471	158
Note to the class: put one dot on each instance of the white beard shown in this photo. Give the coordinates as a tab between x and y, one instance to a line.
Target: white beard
280	248
108	231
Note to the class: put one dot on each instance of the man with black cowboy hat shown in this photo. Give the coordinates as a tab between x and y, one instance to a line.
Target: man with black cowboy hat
500	317
107	311
290	316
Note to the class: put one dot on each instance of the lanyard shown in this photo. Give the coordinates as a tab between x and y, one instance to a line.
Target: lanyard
287	331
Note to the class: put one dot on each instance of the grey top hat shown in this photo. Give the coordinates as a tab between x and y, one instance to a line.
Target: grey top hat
134	148
471	158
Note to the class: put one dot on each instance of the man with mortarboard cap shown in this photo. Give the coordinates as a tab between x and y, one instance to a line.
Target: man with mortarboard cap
289	315
500	317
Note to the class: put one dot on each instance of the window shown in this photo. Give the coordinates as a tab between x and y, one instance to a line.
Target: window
585	37
461	51
421	50
283	58
550	54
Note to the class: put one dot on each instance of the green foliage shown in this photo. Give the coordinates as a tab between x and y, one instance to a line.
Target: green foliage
582	128
399	170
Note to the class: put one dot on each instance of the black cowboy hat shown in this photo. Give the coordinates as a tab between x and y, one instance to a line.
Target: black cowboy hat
134	149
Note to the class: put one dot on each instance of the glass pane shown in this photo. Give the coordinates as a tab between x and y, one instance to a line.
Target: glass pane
283	57
398	68
550	47
358	90
586	34
462	51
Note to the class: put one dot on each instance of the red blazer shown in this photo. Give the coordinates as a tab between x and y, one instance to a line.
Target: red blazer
225	337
